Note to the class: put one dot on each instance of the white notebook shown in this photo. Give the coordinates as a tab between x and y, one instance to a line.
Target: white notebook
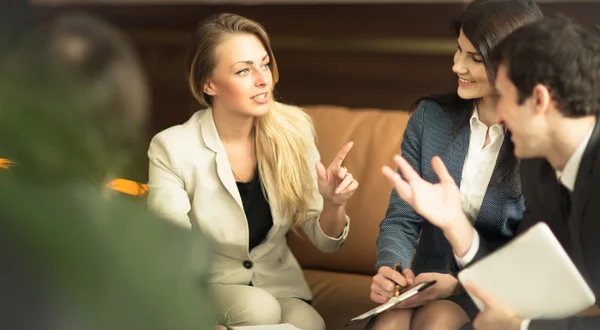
533	276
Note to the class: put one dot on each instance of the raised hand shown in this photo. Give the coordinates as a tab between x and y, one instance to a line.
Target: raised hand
439	203
336	184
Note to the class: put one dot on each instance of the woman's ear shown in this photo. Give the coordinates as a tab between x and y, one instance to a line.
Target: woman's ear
209	88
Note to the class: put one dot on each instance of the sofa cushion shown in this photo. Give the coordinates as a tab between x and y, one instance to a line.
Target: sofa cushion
377	135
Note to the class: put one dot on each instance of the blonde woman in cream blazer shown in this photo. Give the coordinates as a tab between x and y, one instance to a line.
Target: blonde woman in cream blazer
199	172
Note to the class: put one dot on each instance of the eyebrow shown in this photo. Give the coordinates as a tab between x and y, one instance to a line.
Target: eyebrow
470	53
251	62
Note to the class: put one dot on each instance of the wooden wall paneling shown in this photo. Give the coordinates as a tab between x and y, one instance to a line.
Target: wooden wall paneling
377	56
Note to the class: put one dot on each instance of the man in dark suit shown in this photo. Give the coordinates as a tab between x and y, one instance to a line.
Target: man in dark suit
548	81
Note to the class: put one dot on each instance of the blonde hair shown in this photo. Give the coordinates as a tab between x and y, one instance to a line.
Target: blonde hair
284	136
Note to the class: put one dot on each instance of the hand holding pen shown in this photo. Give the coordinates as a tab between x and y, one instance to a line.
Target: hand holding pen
389	283
398	288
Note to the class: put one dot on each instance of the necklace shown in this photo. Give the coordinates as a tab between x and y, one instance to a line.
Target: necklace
237	176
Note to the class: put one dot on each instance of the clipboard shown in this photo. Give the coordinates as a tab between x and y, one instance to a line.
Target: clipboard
391	303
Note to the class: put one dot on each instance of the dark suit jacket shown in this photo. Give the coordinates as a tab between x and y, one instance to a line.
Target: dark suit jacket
429	132
579	233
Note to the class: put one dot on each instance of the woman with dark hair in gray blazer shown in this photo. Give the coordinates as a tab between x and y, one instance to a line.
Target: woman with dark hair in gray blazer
462	128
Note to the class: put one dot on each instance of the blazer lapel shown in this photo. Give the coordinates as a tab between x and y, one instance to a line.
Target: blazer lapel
455	156
454	159
486	207
547	193
580	196
213	142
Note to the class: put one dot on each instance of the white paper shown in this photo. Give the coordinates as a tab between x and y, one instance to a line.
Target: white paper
285	326
391	303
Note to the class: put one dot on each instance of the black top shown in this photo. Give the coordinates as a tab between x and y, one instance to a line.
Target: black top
257	209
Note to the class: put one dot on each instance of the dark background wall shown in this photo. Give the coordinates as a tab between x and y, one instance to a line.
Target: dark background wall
356	55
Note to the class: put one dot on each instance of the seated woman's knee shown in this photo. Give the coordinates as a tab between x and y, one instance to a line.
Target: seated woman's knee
439	315
395	319
300	314
257	308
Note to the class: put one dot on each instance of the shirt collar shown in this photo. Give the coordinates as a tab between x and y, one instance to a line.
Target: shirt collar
474	117
474	120
569	174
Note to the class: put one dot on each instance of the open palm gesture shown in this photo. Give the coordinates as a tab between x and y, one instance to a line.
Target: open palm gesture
336	184
439	203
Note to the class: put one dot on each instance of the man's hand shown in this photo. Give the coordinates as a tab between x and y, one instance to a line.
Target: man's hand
444	287
439	203
494	315
384	283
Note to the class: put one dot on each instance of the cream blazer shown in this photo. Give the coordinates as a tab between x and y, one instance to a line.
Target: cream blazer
191	183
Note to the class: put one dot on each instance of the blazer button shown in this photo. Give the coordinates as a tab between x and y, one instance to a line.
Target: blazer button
247	264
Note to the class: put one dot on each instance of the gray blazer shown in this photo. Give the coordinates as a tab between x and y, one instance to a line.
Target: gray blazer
429	132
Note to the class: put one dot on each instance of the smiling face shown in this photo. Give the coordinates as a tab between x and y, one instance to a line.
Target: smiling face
473	81
242	81
527	120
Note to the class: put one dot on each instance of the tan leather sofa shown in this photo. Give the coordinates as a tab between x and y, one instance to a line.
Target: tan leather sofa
341	281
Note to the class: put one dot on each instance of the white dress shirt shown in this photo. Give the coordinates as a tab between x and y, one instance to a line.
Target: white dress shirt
479	164
567	177
569	174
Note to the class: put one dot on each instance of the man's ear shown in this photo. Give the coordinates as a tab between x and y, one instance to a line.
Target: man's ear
541	98
209	88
